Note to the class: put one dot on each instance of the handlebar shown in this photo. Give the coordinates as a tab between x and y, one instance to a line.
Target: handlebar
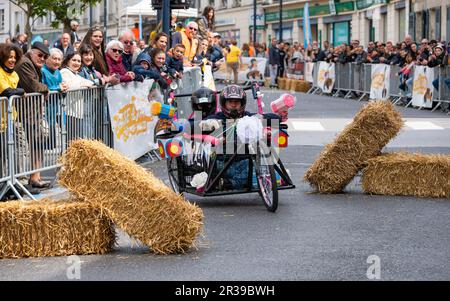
245	88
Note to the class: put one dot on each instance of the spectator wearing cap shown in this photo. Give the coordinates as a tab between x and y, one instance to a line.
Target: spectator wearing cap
189	40
73	32
64	45
30	79
214	52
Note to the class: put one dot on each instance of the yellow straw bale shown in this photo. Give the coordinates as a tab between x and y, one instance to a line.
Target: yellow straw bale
372	128
53	228
417	175
138	202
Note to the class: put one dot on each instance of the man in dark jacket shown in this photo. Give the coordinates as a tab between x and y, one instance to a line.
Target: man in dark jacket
30	79
64	44
274	62
127	39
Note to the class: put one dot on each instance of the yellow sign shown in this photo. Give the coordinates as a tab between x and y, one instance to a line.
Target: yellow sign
130	121
378	80
420	85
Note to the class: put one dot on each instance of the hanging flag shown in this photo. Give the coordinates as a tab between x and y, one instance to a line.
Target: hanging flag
306	26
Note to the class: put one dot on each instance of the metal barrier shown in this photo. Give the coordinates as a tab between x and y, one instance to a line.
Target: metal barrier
191	81
4	173
314	88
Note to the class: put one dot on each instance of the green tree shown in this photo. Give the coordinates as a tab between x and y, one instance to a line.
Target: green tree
33	10
68	10
63	10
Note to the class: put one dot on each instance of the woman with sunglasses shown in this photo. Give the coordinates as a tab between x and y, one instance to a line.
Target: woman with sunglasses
114	51
94	38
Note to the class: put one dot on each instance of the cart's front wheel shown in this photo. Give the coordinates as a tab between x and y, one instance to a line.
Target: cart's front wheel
173	169
267	182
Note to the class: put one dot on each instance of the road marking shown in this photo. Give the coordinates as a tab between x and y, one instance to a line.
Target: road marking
308	126
423	125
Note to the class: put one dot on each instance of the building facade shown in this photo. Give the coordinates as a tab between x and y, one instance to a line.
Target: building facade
12	20
337	21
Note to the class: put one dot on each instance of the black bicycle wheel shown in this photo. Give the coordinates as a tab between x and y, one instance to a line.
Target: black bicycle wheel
266	179
173	169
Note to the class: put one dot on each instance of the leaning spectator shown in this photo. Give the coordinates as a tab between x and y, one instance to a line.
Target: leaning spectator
214	52
155	68
114	51
206	22
88	70
75	107
127	39
175	62
437	58
51	76
9	55
30	79
360	55
70	73
189	40
160	41
94	38
21	42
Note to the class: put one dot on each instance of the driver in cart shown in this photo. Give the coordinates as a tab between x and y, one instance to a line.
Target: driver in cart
233	100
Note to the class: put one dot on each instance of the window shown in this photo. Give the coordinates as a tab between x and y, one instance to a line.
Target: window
401	24
236	3
2	19
224	4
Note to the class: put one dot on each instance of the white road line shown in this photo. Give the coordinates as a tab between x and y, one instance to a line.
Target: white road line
422	125
308	126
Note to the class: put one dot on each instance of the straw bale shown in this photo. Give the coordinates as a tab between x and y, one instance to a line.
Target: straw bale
300	86
138	202
281	83
53	228
337	164
408	174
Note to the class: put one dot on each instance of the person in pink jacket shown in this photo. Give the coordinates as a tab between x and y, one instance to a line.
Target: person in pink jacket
114	51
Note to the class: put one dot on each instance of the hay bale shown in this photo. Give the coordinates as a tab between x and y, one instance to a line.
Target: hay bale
53	228
281	83
301	86
287	83
408	174
138	202
371	129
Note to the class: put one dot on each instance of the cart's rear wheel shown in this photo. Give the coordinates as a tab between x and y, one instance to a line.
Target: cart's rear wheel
267	181
173	169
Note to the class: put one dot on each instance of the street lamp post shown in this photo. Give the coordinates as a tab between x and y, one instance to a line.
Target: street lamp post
166	17
254	22
105	18
281	21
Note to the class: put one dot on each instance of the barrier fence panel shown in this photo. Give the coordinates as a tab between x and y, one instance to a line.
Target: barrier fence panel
4	172
394	87
357	78
367	80
315	74
191	81
442	95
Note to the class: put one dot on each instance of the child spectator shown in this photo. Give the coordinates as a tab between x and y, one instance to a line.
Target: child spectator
175	62
152	66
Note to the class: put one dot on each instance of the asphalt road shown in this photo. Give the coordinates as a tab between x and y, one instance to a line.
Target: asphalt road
310	237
